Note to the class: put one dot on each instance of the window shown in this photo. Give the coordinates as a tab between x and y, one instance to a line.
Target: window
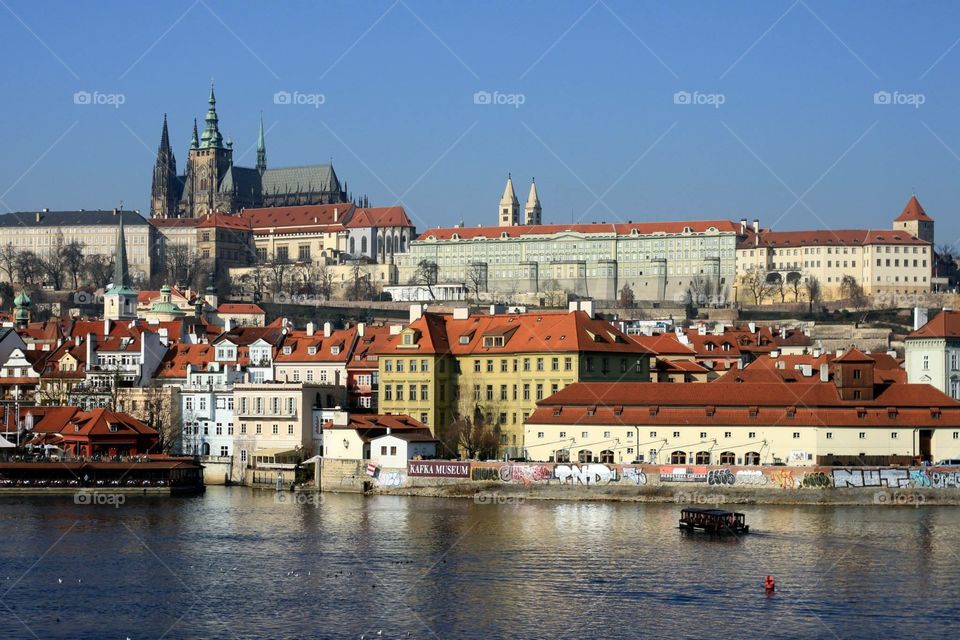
751	458
259	429
568	364
383	450
562	455
752	434
678	457
555	364
584	435
413	366
926	362
727	434
893	435
290	429
493	341
676	434
653	434
539	392
489	392
539	364
489	366
856	374
526	364
796	435
388	392
503	392
703	435
829	435
863	435
393	451
540	434
276	429
424	392
526	391
425	366
399	366
503	366
476	366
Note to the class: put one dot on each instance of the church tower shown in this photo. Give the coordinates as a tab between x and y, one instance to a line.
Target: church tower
208	160
509	206
120	300
532	211
915	221
163	193
261	150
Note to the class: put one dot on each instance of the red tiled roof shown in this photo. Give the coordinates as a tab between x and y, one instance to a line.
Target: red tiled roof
665	344
224	221
178	356
174	222
569	332
945	324
379	217
829	237
854	355
913	211
754	403
301	216
299	344
620	229
240	307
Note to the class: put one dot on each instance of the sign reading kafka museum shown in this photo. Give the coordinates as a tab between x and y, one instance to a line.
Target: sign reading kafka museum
438	469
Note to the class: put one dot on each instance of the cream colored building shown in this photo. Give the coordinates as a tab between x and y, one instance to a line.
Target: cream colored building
895	263
43	231
850	419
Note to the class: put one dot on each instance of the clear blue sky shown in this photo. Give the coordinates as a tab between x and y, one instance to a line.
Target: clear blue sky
598	127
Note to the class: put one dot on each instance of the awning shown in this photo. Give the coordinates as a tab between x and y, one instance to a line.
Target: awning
311	460
6	444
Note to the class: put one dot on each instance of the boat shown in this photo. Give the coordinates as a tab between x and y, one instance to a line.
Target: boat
713	520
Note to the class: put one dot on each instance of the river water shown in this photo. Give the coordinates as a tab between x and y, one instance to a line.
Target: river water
239	563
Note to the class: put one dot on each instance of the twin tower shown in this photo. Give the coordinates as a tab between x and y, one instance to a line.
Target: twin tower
510	206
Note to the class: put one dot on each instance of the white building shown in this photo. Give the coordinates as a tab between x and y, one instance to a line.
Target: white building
933	353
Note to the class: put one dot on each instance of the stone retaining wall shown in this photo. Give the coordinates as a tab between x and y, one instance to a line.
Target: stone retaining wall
690	484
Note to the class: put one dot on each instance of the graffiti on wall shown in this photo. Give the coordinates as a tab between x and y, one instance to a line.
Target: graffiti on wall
388	479
750	477
683	474
894	478
634	475
586	474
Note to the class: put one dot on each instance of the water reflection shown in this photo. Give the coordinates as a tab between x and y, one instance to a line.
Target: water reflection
238	563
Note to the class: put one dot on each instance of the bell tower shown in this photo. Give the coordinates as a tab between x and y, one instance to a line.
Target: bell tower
509	206
208	160
532	211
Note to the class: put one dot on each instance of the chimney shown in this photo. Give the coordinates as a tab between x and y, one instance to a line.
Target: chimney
775	353
756	225
228	324
824	372
752	326
91	349
361	329
106	327
743	226
327	329
114	212
336	214
783	333
310	328
395	329
39	216
919	317
416	312
461	313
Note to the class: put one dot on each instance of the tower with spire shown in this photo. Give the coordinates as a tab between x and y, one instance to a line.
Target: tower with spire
120	300
532	212
915	221
509	205
261	150
164	192
209	159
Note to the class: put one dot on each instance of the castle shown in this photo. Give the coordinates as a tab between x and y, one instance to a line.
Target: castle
212	183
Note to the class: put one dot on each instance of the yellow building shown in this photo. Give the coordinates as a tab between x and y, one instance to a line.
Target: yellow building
848	417
495	368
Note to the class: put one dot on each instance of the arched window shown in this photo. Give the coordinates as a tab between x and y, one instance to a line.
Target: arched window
585	456
562	455
353	246
205	449
606	456
728	458
751	458
702	457
403	244
363	245
390	245
678	457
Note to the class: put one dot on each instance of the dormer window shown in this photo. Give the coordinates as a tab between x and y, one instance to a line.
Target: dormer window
408	338
113	428
335	351
464	339
492	341
287	350
311	351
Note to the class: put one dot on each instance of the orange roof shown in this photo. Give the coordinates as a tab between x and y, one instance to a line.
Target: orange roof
665	344
178	356
945	324
913	211
854	355
562	331
300	345
608	228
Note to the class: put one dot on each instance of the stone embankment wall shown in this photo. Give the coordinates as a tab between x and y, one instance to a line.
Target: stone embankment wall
685	484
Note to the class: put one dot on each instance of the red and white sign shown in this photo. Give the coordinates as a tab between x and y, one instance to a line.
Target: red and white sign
372	469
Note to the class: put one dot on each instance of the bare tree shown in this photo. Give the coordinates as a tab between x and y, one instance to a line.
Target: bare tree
794	283
474	429
73	261
157	411
627	300
52	264
8	261
814	293
181	265
27	267
360	287
702	290
323	281
279	268
99	270
477	279
553	294
426	276
755	281
851	289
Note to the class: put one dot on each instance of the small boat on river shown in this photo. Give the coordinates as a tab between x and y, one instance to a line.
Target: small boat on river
713	520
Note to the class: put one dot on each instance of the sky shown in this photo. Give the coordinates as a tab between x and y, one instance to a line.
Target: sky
802	113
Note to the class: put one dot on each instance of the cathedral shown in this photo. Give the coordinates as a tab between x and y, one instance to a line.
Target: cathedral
212	183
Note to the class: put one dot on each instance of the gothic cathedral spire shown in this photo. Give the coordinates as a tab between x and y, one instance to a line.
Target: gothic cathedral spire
163	193
261	149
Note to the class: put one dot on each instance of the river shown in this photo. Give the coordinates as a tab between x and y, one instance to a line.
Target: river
239	563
